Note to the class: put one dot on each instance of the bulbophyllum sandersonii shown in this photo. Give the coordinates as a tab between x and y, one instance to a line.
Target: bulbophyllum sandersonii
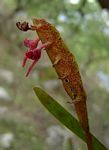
35	48
63	62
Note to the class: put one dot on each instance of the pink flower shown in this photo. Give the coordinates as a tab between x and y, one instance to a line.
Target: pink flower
34	53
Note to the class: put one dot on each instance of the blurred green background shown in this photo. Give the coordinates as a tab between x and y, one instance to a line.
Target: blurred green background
24	122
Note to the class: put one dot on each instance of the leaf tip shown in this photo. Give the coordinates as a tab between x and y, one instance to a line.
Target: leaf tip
36	89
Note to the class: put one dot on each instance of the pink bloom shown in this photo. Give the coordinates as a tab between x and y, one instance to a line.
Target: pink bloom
32	44
34	53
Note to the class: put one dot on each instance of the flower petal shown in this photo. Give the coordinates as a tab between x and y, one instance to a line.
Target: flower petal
31	67
24	61
31	43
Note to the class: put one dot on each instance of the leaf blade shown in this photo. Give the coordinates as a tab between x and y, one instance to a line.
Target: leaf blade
64	116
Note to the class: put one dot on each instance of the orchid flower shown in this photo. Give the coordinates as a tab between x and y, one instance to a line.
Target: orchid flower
34	52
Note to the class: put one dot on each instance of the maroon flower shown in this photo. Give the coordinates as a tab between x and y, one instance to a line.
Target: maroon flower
34	52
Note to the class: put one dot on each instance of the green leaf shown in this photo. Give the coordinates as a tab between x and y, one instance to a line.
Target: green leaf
64	117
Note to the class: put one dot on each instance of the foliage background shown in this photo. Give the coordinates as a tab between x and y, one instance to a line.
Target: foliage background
84	25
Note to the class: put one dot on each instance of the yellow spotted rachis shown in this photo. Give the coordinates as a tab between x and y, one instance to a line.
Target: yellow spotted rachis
67	69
